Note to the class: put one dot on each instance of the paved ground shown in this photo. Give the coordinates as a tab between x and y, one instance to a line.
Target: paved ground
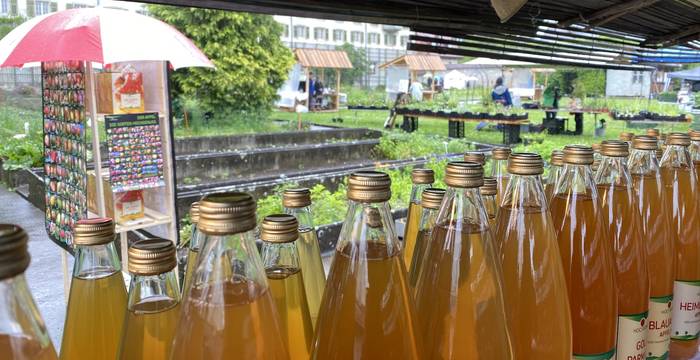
45	275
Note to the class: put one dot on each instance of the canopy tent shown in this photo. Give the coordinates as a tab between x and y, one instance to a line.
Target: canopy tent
403	70
692	74
456	79
519	76
309	59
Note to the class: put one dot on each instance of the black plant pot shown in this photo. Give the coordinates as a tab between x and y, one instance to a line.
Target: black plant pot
441	113
454	114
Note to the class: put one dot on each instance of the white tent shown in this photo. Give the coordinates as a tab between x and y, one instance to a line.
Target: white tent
456	79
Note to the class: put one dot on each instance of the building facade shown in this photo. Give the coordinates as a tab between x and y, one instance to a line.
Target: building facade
32	8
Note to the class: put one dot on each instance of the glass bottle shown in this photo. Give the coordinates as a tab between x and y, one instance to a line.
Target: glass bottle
97	299
422	179
621	216
23	335
660	237
499	169
367	311
459	295
279	234
228	309
475	157
653	133
678	178
596	157
627	137
297	202
430	201
587	256
556	164
154	301
194	245
489	193
694	150
539	321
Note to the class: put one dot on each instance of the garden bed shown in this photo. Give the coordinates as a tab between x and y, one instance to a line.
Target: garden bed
461	115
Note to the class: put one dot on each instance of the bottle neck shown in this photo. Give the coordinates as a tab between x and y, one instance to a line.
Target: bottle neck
359	228
676	156
524	191
463	207
643	163
694	150
554	173
576	179
96	261
153	293
19	315
196	239
499	169
613	171
303	215
231	258
428	218
280	257
417	192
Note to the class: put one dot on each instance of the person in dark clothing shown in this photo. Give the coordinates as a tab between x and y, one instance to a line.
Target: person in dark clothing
500	93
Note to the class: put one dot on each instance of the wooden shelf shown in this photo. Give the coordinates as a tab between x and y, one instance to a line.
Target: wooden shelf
151	218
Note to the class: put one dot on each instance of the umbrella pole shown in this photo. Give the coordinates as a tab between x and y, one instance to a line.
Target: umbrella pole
96	155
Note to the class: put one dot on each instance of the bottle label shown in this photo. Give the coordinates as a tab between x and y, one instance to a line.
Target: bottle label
604	356
659	336
632	336
685	323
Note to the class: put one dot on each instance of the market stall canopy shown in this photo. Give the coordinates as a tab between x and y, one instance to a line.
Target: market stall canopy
486	62
100	35
329	59
692	74
417	62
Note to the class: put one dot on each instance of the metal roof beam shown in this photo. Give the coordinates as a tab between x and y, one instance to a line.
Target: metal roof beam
609	13
683	35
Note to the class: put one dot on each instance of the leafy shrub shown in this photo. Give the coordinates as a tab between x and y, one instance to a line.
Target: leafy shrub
22	153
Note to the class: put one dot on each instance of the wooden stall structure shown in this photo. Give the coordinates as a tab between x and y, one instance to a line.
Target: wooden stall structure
311	59
416	64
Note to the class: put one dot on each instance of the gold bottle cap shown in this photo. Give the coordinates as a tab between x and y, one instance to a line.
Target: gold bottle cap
694	134
557	158
500	153
525	164
464	174
279	228
596	147
676	138
296	198
369	187
14	256
475	157
422	176
490	187
95	231
226	213
626	136
194	212
653	132
645	142
615	148
373	218
578	155
432	198
151	257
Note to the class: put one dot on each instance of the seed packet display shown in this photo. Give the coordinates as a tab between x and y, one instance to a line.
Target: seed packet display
65	175
135	151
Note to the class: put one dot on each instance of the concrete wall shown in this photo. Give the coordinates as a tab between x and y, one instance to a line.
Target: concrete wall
627	83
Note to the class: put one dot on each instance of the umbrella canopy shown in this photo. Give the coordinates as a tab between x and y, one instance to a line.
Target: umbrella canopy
100	35
692	74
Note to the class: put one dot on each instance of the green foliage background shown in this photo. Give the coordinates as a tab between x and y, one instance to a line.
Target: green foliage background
251	60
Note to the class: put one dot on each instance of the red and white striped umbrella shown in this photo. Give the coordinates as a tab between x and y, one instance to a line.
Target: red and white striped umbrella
99	35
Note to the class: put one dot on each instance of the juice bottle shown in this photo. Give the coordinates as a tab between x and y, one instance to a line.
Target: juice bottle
694	150
367	311
475	157
555	166
154	301
587	256
596	157
297	202
97	299
280	234
458	294
422	179
23	335
627	137
499	169
489	192
194	245
660	236
655	133
678	177
430	201
228	311
621	216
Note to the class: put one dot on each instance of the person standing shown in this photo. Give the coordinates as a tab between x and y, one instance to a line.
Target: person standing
500	94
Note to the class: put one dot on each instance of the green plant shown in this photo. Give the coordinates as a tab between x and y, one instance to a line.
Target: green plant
22	153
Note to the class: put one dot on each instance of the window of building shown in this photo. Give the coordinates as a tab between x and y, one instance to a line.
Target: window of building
389	39
373	38
42	7
5	6
286	30
340	35
357	37
76	6
404	40
301	32
321	34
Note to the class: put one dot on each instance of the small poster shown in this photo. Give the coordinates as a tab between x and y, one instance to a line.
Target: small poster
135	151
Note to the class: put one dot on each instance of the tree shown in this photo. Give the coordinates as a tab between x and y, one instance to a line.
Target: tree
579	82
7	24
251	60
358	58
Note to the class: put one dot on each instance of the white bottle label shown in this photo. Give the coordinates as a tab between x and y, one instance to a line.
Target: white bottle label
659	336
632	336
686	310
604	356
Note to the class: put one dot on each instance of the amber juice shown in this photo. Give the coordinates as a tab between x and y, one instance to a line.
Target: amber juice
233	318
457	311
357	311
287	290
589	270
312	267
491	207
149	329
189	270
94	318
422	241
23	348
411	234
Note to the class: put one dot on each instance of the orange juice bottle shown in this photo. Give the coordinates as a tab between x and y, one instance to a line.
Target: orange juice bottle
694	150
430	201
489	193
459	295
367	311
23	335
539	319
193	246
555	165
596	157
499	169
660	237
587	257
422	179
627	137
621	215
678	176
